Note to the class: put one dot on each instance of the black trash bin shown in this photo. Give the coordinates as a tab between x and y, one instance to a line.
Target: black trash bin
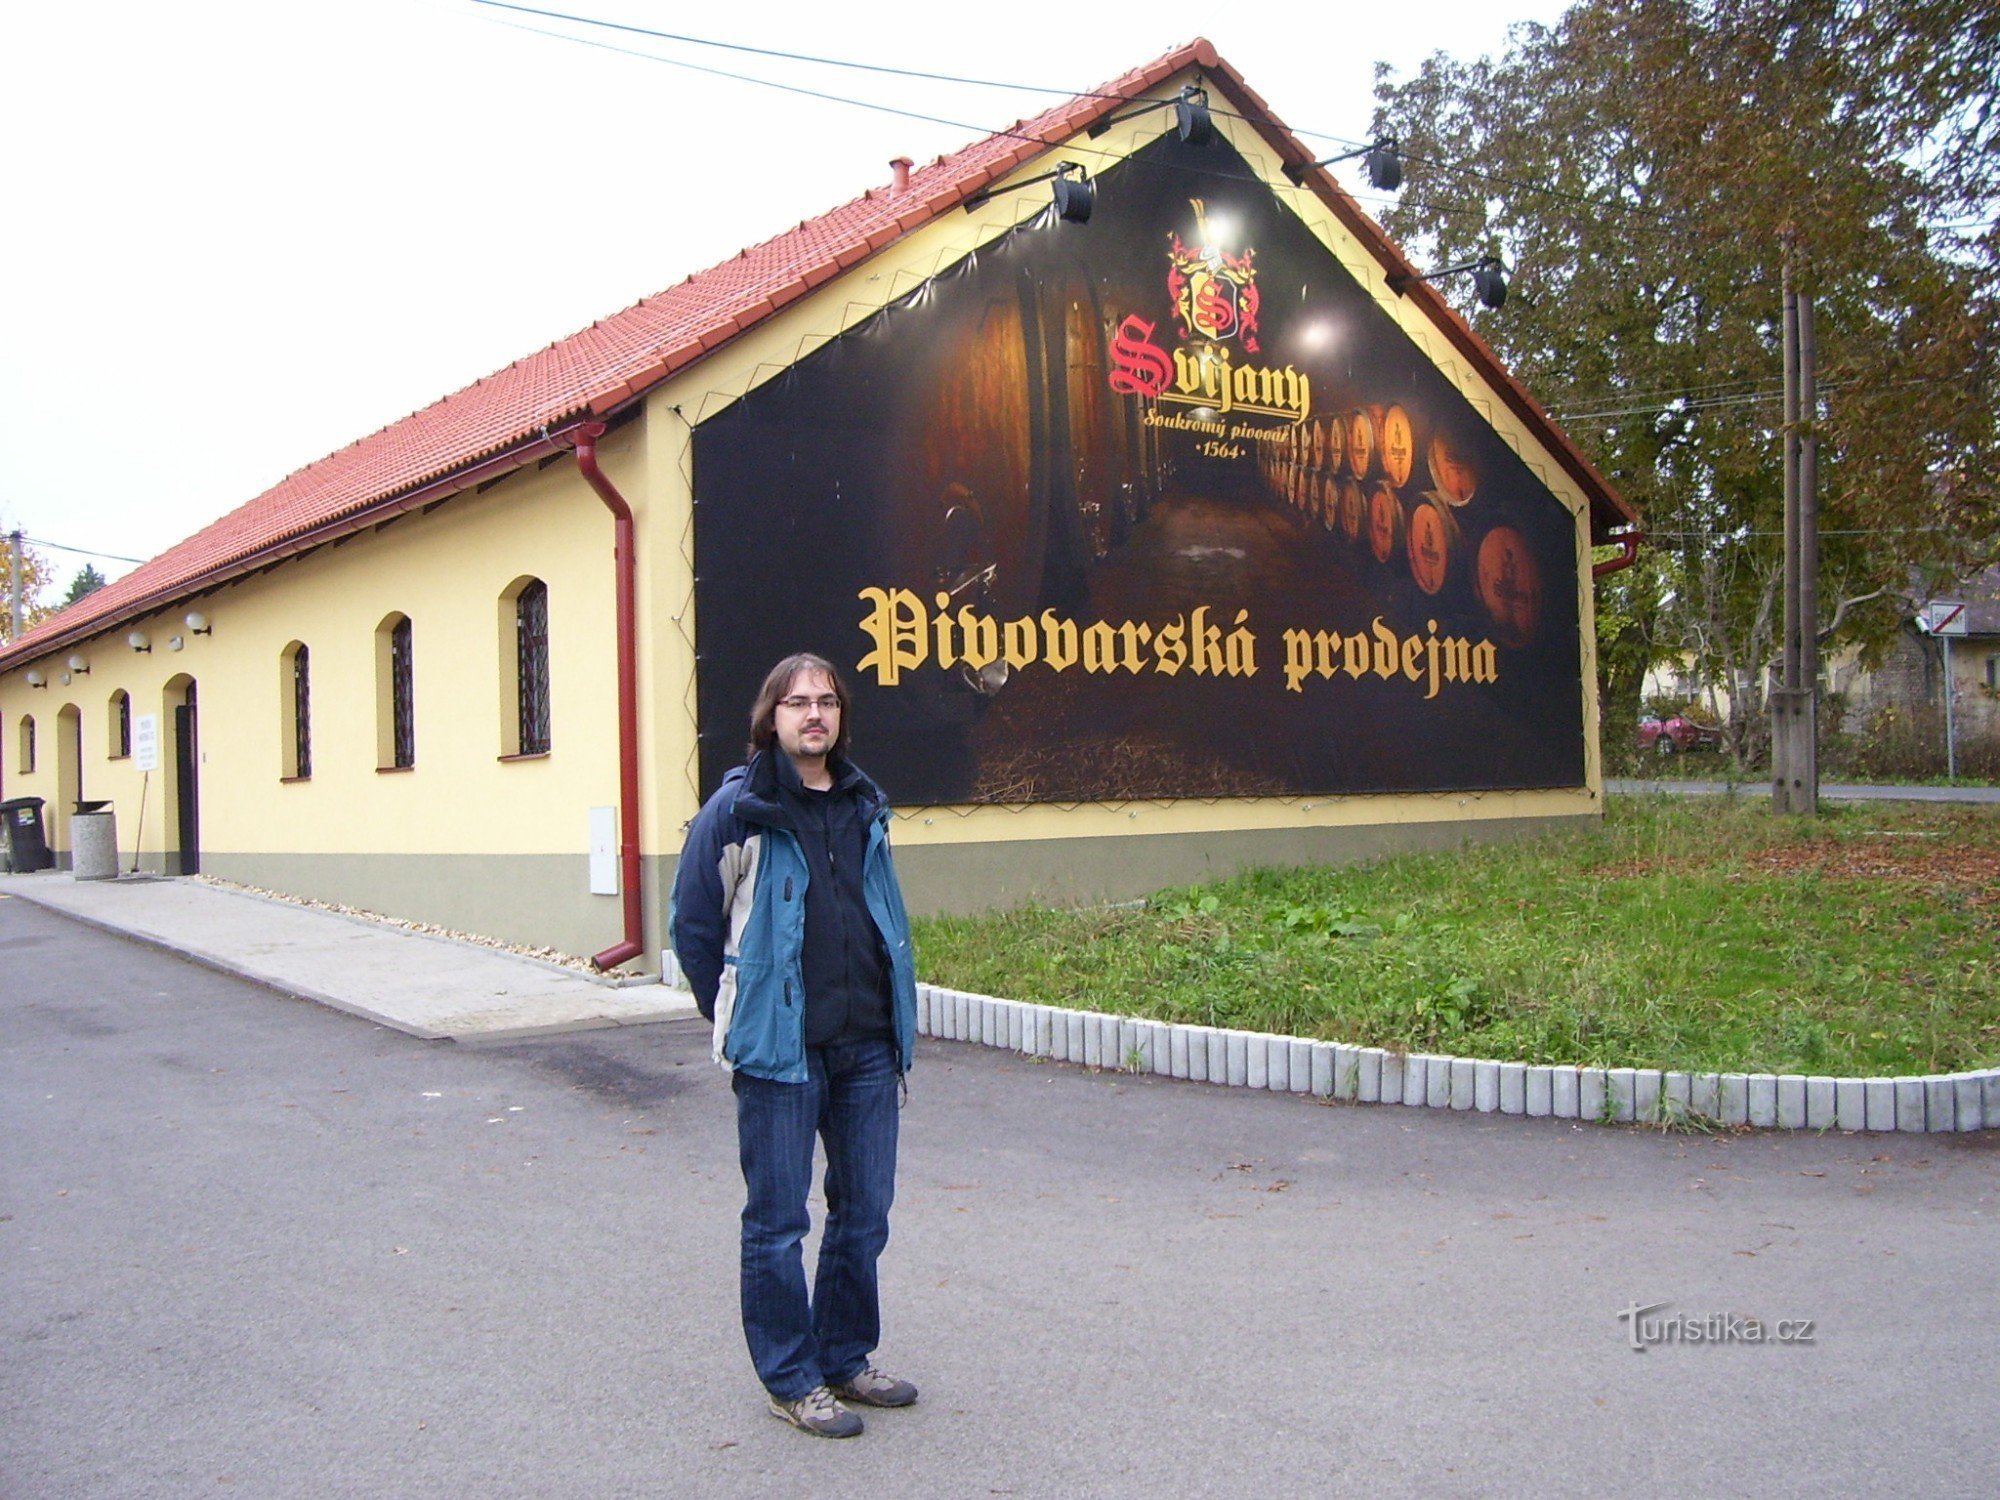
27	841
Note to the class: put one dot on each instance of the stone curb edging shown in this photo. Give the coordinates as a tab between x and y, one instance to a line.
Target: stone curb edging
1934	1104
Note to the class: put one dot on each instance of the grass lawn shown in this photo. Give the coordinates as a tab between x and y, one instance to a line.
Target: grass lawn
1701	933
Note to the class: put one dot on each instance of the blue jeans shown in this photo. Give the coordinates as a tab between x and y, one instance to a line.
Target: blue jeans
849	1101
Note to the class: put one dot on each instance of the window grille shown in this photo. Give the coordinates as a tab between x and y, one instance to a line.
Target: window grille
531	627
403	692
27	744
124	725
302	714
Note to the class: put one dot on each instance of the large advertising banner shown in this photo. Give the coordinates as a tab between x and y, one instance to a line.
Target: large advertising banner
1157	506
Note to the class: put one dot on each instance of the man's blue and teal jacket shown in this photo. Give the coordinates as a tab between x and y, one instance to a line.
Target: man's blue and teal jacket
737	920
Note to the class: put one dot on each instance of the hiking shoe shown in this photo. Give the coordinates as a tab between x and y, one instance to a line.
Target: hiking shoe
870	1387
818	1413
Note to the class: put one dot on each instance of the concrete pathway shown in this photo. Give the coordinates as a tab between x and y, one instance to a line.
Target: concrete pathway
430	987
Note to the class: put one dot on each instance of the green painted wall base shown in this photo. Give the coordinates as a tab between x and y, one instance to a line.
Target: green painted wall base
534	900
543	900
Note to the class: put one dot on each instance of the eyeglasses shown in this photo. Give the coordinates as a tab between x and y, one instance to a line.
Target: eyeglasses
826	703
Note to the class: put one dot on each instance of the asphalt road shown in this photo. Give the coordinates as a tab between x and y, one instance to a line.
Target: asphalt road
250	1246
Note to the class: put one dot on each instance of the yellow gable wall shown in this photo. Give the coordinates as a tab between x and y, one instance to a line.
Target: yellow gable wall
709	387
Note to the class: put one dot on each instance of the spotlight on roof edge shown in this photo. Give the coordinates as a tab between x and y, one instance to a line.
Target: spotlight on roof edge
1383	161
1075	195
1190	114
1489	279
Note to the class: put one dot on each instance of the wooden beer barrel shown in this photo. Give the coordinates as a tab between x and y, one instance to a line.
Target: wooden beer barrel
1399	447
1386	524
1353	510
1361	444
1451	475
1334	435
1435	543
1328	498
1509	584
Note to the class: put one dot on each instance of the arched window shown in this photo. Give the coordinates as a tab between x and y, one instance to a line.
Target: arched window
119	721
395	695
295	691
525	618
26	759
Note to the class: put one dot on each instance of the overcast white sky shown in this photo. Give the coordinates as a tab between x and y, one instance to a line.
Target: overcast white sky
245	234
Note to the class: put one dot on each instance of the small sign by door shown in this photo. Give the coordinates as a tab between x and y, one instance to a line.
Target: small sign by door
146	742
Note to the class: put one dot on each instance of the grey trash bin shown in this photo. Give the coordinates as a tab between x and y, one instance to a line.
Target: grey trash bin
93	839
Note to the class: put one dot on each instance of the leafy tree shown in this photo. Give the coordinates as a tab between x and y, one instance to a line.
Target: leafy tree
1645	167
87	581
36	575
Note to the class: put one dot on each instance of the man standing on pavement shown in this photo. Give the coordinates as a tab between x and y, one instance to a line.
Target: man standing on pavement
788	921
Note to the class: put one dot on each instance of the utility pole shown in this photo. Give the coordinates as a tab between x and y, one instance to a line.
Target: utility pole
1795	706
14	579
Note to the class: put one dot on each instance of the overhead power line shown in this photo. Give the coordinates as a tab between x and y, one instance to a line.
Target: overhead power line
825	62
961	80
81	551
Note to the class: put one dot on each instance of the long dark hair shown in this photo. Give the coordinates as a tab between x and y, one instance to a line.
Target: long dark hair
764	712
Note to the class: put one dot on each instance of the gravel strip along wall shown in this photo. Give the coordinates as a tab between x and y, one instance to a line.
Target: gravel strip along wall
1371	1075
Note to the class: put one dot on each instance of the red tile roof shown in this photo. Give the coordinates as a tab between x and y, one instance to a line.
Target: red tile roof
516	414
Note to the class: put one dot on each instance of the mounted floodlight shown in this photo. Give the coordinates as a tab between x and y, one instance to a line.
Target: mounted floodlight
197	623
1489	279
1075	195
1190	114
1383	162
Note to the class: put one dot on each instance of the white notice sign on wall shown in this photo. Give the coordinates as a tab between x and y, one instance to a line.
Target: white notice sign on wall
146	742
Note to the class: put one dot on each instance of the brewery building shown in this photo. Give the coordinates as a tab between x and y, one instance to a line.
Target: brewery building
1162	518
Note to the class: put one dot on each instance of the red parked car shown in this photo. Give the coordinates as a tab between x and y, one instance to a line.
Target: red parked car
1677	734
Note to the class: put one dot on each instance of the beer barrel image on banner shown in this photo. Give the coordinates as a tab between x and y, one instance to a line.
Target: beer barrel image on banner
1301	489
1451	476
1399	447
1328	509
1510	585
1333	434
1436	543
1361	444
1353	510
1386	523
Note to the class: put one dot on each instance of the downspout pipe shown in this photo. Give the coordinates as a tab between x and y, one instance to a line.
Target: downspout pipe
1629	542
585	438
